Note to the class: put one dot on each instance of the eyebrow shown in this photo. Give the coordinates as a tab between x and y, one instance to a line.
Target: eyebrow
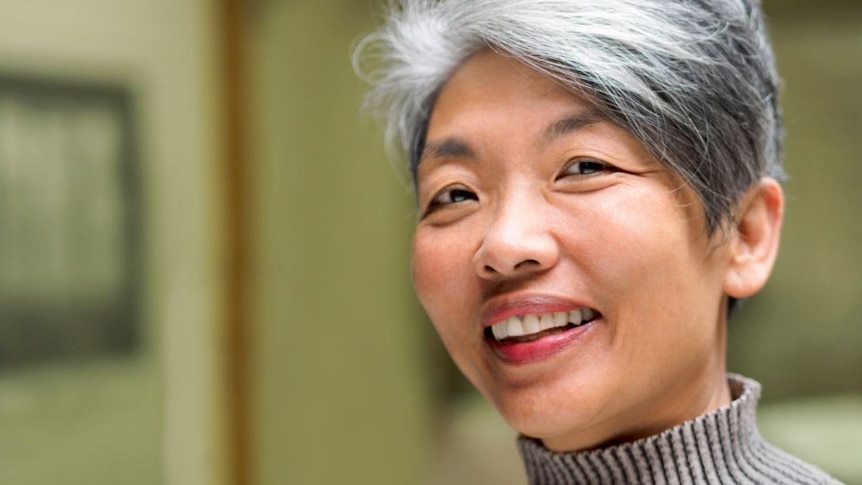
447	148
456	148
572	123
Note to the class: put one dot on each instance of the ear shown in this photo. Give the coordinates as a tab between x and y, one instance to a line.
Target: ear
754	244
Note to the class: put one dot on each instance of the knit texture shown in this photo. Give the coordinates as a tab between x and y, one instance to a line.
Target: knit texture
721	447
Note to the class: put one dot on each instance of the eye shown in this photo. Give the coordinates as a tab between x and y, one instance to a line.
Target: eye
587	166
450	196
453	196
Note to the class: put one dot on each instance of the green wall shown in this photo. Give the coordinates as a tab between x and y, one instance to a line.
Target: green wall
340	393
154	416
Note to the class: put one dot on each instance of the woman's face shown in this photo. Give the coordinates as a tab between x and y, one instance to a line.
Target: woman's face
568	274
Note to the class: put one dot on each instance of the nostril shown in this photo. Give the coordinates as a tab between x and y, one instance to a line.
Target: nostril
523	265
527	262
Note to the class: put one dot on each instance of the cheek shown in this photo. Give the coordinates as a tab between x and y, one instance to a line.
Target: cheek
441	274
426	271
629	241
665	282
649	257
449	292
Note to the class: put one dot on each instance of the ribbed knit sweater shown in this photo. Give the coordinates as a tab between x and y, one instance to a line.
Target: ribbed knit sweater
721	447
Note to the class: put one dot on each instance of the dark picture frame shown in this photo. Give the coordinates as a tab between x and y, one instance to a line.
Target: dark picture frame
70	220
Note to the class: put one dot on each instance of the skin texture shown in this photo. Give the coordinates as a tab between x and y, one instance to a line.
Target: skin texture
530	202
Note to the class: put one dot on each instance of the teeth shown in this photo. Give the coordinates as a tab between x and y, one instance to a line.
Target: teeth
500	330
516	328
561	319
532	324
547	321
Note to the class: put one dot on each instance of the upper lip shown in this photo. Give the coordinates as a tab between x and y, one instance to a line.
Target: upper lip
502	307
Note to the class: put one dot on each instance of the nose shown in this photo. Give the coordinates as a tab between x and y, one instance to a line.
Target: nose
517	242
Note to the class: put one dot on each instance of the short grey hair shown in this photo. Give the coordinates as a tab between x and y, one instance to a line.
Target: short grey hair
694	80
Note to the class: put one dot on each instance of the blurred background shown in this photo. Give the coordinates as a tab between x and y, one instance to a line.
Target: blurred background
204	256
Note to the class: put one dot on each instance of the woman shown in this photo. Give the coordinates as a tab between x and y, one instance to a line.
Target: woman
597	188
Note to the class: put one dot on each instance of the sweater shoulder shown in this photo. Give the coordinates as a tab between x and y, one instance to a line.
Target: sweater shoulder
789	469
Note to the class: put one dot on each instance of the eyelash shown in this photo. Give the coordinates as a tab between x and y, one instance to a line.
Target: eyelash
588	163
458	192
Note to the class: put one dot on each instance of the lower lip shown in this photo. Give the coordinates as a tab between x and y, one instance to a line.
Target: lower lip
541	349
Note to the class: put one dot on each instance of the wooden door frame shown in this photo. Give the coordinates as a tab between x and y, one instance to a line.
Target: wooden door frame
234	36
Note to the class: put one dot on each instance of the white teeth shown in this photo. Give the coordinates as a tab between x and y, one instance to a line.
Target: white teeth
546	322
500	330
516	329
561	319
532	324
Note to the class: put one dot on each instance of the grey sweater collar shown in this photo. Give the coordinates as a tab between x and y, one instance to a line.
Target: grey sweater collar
723	446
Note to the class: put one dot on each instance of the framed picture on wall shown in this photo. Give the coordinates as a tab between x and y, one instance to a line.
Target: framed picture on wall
69	220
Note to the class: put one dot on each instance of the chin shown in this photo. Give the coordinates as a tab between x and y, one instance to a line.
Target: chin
551	415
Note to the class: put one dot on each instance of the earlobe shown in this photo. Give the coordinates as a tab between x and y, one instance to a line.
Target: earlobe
754	246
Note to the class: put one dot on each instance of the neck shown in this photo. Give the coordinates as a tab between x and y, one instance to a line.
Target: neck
723	446
706	390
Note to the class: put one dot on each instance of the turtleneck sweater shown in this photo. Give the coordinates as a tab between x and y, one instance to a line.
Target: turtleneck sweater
720	447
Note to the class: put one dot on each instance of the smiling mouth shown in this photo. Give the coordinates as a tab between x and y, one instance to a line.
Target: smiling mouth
527	328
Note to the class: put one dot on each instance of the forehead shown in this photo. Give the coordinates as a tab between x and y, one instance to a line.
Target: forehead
495	107
488	82
494	104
